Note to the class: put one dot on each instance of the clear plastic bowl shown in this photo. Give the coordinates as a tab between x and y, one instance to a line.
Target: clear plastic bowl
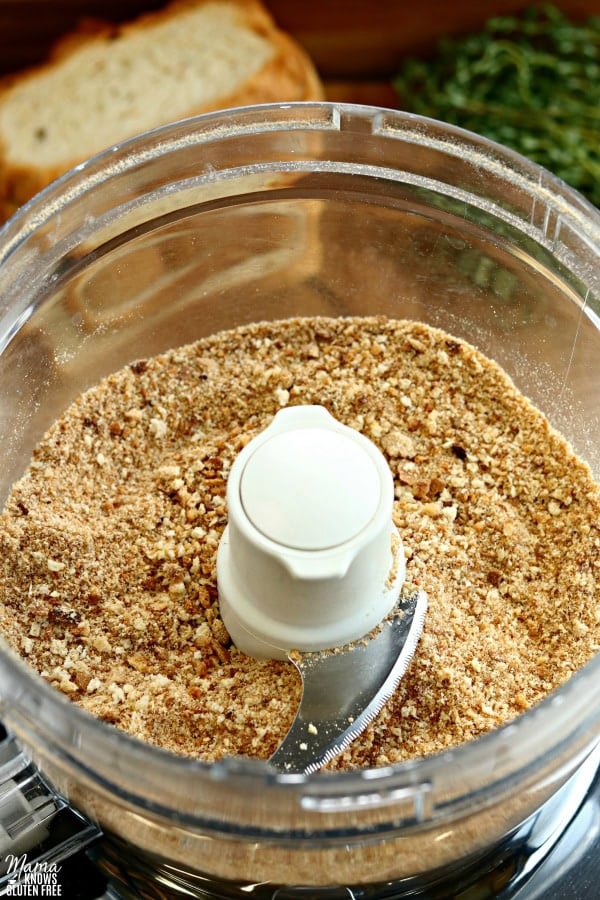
263	213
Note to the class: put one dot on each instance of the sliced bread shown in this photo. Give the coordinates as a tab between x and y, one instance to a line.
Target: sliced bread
106	82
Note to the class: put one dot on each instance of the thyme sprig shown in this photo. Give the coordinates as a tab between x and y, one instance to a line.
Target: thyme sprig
530	82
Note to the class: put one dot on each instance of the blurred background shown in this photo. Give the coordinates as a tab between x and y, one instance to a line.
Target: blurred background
357	45
531	81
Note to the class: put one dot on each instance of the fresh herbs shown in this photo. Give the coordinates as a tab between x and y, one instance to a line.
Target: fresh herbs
530	82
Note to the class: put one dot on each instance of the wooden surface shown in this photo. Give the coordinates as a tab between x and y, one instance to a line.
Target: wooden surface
355	44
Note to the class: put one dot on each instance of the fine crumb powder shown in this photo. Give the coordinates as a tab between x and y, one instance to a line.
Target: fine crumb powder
108	543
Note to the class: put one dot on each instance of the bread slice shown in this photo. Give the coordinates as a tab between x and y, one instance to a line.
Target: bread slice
106	82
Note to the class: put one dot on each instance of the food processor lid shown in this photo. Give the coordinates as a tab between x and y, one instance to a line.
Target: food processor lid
310	558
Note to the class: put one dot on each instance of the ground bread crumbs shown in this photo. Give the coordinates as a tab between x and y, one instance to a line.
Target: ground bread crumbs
108	543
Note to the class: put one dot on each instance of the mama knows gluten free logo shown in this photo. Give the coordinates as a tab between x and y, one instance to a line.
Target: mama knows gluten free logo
36	879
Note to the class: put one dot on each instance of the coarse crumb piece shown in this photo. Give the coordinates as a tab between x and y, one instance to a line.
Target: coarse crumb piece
108	543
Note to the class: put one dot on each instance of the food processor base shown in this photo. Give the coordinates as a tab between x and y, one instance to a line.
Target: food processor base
554	854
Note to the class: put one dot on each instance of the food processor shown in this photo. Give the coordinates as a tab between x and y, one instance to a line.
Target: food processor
263	213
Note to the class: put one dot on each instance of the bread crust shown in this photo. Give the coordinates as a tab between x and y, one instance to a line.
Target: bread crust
287	76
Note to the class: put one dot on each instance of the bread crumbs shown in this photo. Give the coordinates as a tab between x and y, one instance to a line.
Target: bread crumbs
108	543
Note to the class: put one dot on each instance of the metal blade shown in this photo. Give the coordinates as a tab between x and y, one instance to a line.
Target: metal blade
343	690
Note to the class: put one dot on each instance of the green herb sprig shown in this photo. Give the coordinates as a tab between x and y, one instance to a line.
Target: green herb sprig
530	82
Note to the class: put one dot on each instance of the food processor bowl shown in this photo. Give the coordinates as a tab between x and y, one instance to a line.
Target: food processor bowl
260	214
